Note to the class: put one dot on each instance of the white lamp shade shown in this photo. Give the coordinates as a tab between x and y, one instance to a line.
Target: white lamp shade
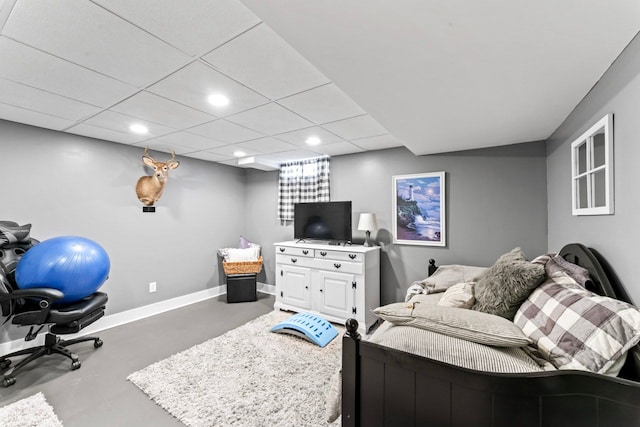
367	222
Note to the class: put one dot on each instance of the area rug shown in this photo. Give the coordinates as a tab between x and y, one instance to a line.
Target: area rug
246	377
33	411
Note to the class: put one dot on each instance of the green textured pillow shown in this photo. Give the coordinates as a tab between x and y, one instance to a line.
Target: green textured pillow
469	325
506	284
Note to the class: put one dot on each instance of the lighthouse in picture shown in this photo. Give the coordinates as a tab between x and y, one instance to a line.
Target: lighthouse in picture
411	192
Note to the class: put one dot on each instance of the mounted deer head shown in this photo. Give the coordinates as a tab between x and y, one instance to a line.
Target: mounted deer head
149	188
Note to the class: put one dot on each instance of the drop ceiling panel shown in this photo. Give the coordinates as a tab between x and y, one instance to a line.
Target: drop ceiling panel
75	31
190	140
289	156
299	137
194	83
231	150
195	29
211	157
266	63
270	119
159	145
323	104
120	123
33	118
266	145
224	131
26	65
106	134
357	127
48	103
153	108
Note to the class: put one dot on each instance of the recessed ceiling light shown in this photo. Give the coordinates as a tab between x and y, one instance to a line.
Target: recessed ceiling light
138	128
239	153
313	140
218	100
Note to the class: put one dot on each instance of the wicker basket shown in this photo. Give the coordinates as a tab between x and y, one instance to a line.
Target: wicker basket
242	267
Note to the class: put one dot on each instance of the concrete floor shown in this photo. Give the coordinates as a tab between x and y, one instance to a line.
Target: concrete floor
98	394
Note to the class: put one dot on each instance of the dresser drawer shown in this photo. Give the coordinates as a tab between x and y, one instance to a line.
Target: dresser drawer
339	266
299	252
300	261
340	255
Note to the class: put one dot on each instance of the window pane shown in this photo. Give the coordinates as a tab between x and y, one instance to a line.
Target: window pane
582	199
599	190
598	149
582	158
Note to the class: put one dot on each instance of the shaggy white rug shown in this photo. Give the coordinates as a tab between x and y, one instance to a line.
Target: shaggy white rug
31	411
246	377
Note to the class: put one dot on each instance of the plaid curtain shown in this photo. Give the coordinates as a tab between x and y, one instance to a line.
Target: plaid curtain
302	181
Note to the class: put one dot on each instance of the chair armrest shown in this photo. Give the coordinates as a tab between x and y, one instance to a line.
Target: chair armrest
44	293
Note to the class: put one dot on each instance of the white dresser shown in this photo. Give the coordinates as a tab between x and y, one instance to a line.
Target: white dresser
336	282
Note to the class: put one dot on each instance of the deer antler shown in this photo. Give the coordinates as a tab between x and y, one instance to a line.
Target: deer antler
173	156
146	152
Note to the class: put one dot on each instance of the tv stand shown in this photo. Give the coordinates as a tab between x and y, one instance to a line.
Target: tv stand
335	282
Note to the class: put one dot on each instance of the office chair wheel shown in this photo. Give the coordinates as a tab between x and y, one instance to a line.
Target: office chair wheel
75	365
98	343
4	364
8	381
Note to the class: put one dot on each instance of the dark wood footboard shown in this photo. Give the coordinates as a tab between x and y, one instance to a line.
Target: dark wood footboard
387	387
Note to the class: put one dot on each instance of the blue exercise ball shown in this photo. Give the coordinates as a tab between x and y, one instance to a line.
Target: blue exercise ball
76	266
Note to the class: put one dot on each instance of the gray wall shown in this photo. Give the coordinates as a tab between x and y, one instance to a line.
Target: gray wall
71	185
496	200
614	236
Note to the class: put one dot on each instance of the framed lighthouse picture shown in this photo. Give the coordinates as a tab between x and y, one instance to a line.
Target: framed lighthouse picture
419	209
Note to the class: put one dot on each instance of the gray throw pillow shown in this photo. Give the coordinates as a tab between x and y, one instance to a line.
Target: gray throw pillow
506	284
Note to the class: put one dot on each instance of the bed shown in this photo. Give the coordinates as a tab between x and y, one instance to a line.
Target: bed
383	386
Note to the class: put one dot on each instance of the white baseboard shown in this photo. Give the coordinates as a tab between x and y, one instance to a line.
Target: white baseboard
118	319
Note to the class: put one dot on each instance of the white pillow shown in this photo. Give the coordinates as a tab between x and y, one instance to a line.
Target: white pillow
239	255
459	295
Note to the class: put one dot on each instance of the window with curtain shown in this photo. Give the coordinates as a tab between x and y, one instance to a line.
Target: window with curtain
302	181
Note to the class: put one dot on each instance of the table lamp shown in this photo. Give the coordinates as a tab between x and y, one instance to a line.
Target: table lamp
367	223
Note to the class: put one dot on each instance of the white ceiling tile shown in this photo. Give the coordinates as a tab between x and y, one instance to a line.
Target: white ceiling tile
323	104
266	63
209	156
147	106
33	99
357	127
229	150
255	162
338	148
75	31
299	137
195	82
224	131
267	145
33	118
190	140
120	123
105	134
379	142
270	119
32	67
209	23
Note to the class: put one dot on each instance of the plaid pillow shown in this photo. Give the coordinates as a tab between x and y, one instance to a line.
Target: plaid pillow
577	329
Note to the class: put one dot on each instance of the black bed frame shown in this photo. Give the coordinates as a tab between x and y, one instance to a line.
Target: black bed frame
387	387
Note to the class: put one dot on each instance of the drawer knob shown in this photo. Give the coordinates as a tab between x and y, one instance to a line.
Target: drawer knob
336	265
305	252
294	260
352	256
323	253
281	249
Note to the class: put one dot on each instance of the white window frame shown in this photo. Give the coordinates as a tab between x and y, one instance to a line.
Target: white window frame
587	140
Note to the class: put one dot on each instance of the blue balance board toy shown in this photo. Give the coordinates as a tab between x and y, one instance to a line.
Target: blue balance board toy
308	326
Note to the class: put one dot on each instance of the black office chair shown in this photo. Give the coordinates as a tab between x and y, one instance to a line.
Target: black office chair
36	308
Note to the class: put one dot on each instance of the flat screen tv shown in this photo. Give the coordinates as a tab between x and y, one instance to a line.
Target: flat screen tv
323	221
